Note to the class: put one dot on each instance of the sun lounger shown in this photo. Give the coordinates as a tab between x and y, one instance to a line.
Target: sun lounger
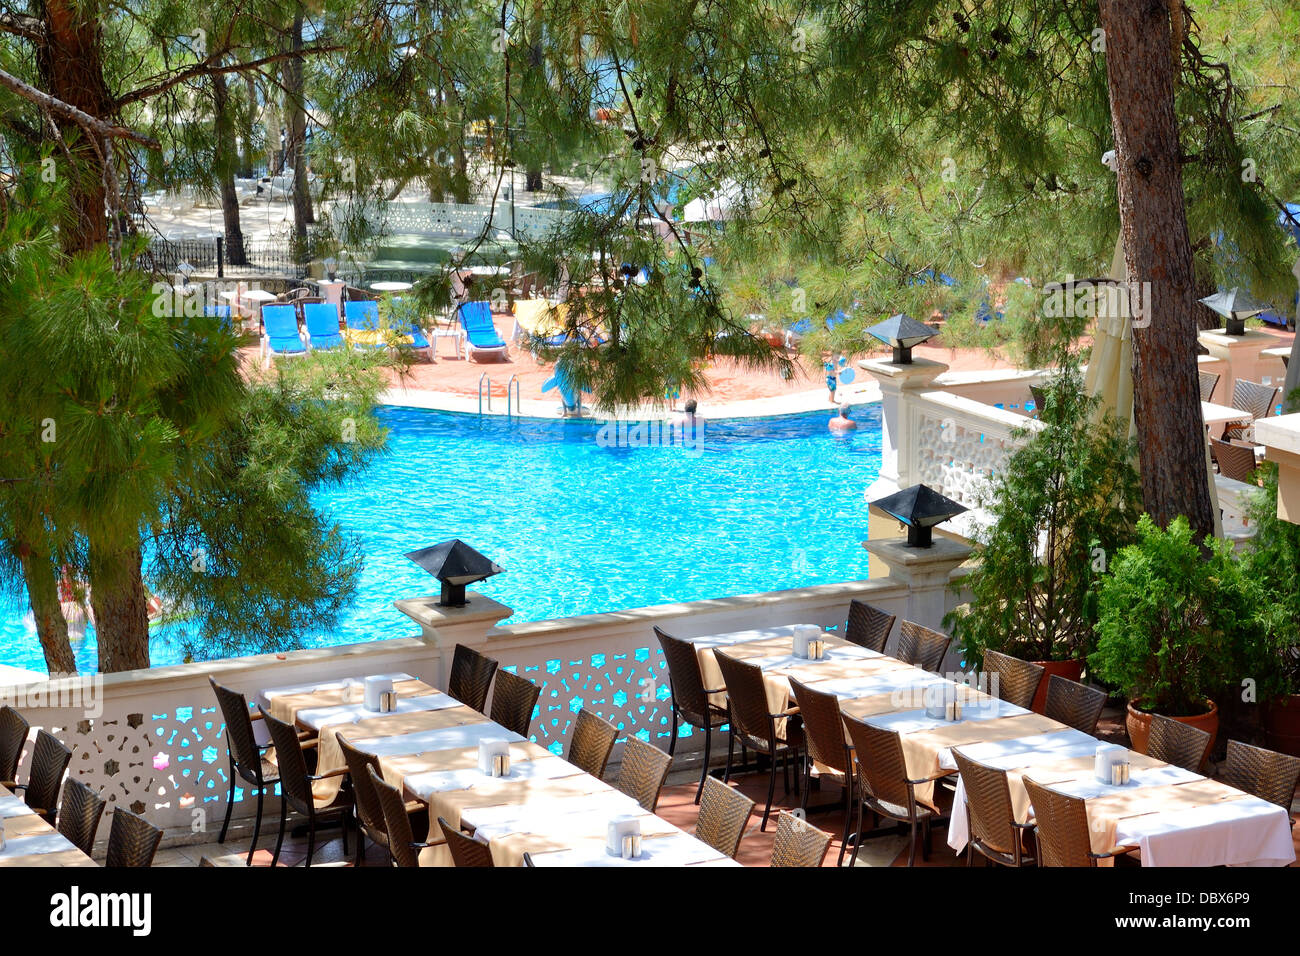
281	336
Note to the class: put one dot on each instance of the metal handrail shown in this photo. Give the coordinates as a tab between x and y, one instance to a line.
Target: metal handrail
484	378
518	400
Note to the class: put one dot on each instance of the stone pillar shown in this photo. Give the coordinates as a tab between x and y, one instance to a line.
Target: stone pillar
1241	357
445	627
927	573
1281	436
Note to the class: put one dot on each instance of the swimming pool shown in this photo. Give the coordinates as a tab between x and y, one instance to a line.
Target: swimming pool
582	525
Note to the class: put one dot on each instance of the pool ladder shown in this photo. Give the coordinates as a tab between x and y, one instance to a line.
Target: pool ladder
513	399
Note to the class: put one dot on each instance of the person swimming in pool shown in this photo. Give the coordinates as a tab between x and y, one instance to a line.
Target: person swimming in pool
842	422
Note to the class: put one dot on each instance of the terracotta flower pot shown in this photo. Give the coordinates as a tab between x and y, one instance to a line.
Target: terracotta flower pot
1138	723
1282	724
1070	670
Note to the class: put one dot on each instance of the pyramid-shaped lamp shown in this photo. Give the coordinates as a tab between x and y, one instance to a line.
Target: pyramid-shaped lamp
902	333
920	508
455	564
1236	307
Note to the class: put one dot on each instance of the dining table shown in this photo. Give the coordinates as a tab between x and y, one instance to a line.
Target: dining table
27	840
1173	817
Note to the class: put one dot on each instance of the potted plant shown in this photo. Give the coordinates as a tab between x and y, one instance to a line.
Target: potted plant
1177	625
1067	499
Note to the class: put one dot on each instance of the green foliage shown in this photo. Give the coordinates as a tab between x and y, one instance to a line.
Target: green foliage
1067	499
1272	557
1177	627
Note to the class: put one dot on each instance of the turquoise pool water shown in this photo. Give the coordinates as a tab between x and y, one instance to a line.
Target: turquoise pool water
581	527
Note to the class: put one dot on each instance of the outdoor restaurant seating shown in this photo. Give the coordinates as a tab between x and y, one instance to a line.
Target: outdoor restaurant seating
471	676
249	761
1061	834
49	760
825	747
868	626
298	791
922	646
691	702
753	722
403	849
80	810
1263	773
642	772
465	850
369	812
724	811
993	828
1253	398
1208	382
1017	680
798	843
513	701
1074	704
132	840
1235	459
591	743
14	729
884	788
1177	743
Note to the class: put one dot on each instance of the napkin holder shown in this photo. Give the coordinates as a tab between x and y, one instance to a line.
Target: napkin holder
1108	756
935	697
375	686
488	752
804	634
616	834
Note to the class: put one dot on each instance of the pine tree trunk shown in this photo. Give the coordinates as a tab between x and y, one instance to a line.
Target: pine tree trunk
223	162
51	626
1158	254
246	157
296	147
121	607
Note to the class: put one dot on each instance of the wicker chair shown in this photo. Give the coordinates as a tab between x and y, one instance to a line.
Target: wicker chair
798	843
690	699
868	626
465	850
823	733
754	723
297	788
1073	703
1209	380
79	814
1177	743
1061	831
513	702
724	811
1017	680
994	831
922	646
132	840
14	729
49	760
369	814
471	676
248	762
1262	773
591	744
403	849
1253	398
642	773
1235	461
884	787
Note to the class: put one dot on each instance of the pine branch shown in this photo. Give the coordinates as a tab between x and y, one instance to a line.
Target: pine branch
212	66
83	119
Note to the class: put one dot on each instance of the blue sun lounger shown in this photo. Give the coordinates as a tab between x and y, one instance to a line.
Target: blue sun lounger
362	316
280	331
480	334
322	321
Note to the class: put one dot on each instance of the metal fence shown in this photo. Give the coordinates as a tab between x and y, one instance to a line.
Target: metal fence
264	257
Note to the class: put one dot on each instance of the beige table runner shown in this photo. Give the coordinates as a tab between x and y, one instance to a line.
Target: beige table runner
495	793
286	706
571	832
396	768
69	857
1104	813
921	748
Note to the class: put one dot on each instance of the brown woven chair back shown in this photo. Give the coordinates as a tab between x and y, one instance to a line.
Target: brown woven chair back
513	701
1062	827
1017	680
132	840
1263	773
14	729
1253	397
868	626
1177	743
880	759
922	646
747	696
49	760
396	823
823	728
1073	703
591	743
684	675
471	676
724	811
798	843
368	808
988	803
239	732
1235	461
79	813
1208	381
295	788
642	773
465	850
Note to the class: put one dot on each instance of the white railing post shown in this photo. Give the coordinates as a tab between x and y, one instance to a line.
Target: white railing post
446	627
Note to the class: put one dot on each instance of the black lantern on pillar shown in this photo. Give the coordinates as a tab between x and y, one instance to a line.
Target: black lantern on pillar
1236	307
455	564
902	333
920	508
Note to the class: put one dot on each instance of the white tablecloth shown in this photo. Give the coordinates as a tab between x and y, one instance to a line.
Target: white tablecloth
1246	832
422	785
266	694
50	842
673	849
319	717
445	738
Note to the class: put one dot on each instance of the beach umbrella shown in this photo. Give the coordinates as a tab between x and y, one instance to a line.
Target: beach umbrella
455	564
